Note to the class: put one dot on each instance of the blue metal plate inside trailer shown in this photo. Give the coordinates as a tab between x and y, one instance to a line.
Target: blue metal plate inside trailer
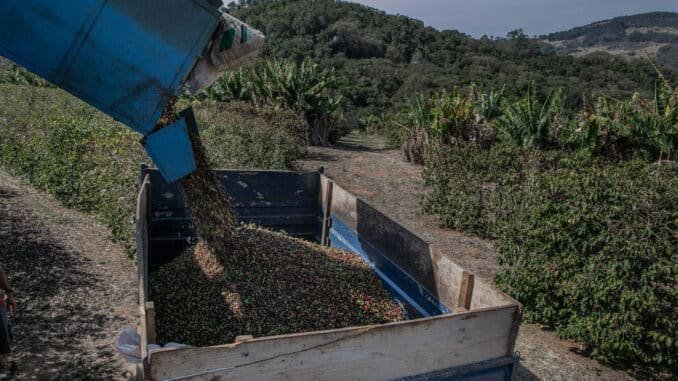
403	288
501	369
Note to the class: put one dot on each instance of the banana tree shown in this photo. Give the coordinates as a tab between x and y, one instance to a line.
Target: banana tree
530	121
303	88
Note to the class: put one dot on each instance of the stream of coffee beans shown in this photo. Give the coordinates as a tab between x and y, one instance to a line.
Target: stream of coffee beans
210	208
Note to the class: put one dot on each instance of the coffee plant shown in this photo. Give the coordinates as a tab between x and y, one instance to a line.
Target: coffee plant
91	163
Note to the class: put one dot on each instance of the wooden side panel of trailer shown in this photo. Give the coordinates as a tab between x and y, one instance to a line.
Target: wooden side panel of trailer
146	309
427	264
378	352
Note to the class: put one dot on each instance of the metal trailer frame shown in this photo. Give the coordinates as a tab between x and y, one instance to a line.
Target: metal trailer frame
461	327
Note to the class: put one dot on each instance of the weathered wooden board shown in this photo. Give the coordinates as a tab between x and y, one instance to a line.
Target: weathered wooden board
427	264
448	277
327	211
401	246
378	352
466	290
150	323
147	331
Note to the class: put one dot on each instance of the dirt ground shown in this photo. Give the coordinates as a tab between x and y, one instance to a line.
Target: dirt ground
379	175
75	289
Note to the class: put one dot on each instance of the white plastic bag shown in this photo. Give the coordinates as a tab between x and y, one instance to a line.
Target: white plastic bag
233	45
129	345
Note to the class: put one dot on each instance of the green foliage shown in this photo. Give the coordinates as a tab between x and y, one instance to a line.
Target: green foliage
13	74
619	128
585	231
625	35
448	118
615	29
240	135
587	245
452	113
488	105
463	180
60	145
234	86
382	60
302	88
591	252
668	55
655	121
90	162
531	121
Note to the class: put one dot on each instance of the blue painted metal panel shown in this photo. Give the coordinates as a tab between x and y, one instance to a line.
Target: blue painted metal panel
279	200
125	57
501	369
405	289
39	34
171	151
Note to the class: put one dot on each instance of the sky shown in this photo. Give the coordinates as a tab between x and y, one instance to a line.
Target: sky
498	17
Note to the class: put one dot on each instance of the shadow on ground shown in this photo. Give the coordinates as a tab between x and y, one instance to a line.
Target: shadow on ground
524	374
52	289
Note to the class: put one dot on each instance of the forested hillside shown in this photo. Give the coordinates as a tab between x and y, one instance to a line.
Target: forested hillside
616	29
654	34
385	59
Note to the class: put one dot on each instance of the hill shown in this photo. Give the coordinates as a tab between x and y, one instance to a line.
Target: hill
386	59
654	34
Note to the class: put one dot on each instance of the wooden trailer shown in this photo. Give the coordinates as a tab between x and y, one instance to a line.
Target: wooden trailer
460	326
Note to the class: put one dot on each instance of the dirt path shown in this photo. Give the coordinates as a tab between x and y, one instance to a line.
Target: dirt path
75	289
395	187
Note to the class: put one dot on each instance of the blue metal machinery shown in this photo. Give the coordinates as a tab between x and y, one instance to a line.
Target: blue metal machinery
128	58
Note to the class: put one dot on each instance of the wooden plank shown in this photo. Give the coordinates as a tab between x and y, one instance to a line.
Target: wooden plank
327	211
243	338
141	219
448	276
150	323
466	290
141	216
517	320
398	244
378	352
344	204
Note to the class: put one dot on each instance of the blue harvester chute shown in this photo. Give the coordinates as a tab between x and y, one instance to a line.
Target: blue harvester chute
128	58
